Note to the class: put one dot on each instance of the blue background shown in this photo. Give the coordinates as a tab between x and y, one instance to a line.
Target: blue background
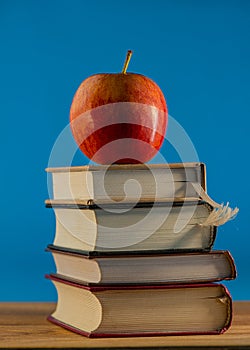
197	51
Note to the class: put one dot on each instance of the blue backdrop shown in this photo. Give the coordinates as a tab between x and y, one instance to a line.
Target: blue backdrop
197	52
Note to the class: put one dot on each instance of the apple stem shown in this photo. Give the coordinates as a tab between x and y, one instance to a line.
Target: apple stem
126	63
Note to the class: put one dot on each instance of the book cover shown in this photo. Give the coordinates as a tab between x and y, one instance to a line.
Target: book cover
212	297
141	180
146	226
154	267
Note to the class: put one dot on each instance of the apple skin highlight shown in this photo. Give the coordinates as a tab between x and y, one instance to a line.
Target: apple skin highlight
135	134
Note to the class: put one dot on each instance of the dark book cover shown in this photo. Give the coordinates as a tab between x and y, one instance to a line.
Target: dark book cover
131	255
91	204
116	253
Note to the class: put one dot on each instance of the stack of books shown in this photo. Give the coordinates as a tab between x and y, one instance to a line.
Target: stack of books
133	251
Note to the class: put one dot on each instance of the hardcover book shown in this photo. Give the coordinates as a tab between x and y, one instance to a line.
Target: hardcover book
100	227
142	310
151	268
131	181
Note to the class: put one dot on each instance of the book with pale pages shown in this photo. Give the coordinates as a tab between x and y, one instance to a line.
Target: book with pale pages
188	224
144	269
121	311
163	225
130	182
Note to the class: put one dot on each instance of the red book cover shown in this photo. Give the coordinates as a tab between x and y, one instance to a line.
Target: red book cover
225	298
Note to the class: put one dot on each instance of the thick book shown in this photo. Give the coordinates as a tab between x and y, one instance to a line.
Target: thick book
131	181
143	268
163	225
115	311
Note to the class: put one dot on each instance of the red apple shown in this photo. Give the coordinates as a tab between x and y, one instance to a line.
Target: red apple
119	117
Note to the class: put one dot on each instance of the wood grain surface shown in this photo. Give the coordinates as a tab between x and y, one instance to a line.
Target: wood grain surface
24	325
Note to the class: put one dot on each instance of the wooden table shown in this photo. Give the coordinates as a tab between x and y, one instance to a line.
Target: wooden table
24	325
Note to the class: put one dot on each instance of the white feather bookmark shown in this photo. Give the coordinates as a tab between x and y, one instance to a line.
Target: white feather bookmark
220	214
